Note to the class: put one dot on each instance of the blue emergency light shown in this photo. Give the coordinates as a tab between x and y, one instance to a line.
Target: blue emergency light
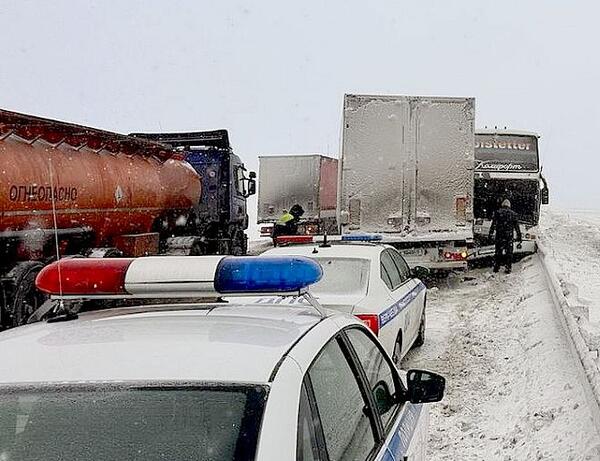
266	274
361	238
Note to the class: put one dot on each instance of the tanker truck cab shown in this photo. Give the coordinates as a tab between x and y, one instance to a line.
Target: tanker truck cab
221	214
507	165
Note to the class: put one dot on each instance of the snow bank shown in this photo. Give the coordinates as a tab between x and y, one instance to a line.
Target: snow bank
568	248
514	388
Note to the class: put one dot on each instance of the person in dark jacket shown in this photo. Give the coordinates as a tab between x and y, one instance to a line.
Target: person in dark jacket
288	223
505	223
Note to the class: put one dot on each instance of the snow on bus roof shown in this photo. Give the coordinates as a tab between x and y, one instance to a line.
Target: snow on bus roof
507	132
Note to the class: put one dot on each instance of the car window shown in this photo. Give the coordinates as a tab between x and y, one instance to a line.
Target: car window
401	265
346	276
347	427
240	181
307	446
386	277
392	271
378	370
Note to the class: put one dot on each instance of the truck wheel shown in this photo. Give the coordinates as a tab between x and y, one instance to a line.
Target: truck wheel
240	244
26	297
421	336
198	248
108	252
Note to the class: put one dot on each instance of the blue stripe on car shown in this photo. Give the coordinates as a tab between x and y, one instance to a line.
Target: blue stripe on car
391	312
403	433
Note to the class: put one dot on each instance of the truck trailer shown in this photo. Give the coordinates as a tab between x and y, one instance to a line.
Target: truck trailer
72	191
406	172
308	180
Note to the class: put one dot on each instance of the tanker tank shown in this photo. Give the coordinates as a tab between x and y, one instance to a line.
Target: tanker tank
88	188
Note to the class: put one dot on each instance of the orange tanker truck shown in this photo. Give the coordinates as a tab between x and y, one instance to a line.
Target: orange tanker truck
69	190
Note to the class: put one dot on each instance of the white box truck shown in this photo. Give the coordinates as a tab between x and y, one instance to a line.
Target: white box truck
309	180
406	172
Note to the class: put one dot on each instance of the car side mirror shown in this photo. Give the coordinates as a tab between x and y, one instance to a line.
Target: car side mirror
251	187
425	386
384	400
545	196
420	272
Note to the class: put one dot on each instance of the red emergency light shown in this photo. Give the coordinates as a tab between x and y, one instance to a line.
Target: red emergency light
80	276
294	239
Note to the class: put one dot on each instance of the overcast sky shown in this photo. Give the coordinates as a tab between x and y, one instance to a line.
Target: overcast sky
274	72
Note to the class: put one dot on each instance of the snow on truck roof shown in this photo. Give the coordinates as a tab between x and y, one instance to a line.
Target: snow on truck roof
222	343
311	155
55	132
394	97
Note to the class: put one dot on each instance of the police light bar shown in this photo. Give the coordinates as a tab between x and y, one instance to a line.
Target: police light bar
307	239
362	238
178	277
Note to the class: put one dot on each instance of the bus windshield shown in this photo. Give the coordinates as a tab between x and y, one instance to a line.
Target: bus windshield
508	153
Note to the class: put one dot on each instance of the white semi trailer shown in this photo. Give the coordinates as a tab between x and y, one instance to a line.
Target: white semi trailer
406	172
309	180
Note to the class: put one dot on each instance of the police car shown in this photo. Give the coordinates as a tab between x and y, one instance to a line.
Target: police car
370	280
215	381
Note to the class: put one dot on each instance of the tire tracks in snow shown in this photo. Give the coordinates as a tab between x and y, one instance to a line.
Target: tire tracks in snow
513	390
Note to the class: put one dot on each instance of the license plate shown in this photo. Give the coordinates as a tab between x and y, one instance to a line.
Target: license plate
412	252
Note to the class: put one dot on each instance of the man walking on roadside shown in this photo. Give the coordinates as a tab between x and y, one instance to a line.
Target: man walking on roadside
505	223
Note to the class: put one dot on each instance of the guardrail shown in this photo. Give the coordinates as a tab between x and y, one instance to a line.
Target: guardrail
579	346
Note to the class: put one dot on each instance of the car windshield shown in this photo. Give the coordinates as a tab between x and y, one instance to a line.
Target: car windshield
88	423
342	276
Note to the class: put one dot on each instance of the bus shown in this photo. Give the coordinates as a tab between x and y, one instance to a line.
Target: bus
507	166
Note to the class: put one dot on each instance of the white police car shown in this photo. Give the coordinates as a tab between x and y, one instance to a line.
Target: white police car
192	381
369	280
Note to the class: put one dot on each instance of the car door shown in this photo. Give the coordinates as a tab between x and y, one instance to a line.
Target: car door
395	315
414	298
404	425
353	407
336	419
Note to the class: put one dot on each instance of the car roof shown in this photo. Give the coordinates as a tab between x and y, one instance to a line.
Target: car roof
224	343
336	250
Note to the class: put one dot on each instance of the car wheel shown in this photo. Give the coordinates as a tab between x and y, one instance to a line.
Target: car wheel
421	336
397	357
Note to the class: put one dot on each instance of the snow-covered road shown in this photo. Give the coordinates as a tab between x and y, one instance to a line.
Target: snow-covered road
514	391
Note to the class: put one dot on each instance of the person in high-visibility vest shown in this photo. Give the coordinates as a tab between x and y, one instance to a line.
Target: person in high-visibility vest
287	224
